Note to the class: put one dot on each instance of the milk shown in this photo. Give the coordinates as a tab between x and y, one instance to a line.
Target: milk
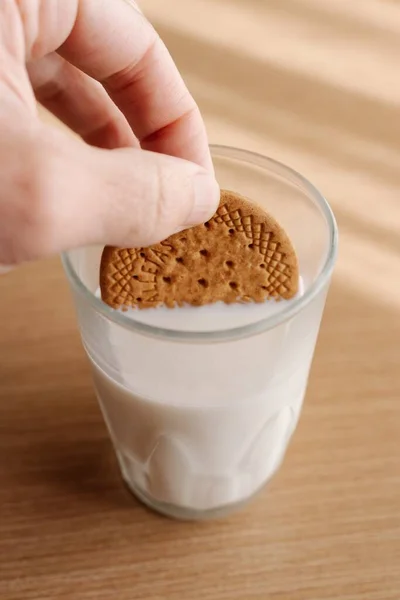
198	427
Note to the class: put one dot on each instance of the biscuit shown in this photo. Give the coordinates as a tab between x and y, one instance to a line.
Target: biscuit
240	255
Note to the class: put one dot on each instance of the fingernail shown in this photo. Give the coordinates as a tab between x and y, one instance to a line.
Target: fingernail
206	199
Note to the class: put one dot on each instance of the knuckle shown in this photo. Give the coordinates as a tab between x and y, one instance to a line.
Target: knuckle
153	205
165	204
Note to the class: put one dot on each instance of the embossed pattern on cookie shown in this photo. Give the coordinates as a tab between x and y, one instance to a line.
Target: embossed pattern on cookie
240	255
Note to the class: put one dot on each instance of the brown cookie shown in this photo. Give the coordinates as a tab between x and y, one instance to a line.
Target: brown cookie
240	255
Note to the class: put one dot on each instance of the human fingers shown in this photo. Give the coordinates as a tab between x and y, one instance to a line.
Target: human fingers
80	102
71	194
114	43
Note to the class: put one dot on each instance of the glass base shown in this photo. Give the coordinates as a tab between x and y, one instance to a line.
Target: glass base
132	477
185	514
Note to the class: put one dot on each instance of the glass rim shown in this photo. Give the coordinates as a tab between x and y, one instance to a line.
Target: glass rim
243	331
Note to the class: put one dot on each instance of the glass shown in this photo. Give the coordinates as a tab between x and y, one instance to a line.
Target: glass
200	420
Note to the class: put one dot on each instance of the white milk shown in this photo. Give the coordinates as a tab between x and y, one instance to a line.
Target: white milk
203	426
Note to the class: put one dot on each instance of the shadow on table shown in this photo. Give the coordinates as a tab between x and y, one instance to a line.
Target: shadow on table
327	19
296	109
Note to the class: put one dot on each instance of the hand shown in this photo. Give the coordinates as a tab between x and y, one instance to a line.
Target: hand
100	67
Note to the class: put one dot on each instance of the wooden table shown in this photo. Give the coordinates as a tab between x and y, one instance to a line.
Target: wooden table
315	84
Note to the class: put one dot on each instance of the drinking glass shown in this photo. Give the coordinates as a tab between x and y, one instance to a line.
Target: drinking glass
200	419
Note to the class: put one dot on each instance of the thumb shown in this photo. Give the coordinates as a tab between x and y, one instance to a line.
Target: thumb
144	197
79	195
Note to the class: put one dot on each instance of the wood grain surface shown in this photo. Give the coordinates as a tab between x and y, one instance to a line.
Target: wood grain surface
315	84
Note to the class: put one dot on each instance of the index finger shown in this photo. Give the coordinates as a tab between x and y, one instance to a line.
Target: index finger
116	45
